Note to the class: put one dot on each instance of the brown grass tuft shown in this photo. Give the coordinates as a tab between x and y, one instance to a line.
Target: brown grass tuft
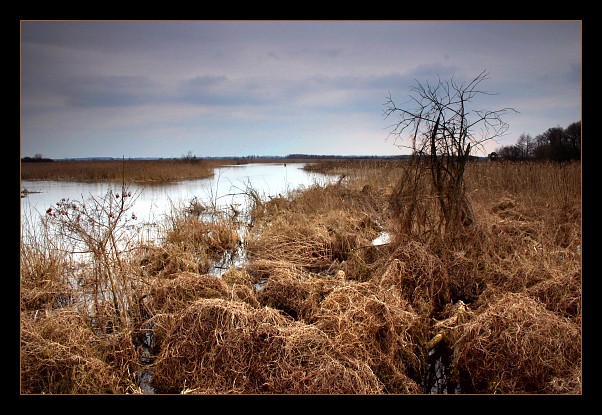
217	346
516	345
419	274
61	354
175	294
377	326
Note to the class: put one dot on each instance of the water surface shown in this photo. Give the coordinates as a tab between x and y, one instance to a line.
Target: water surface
227	189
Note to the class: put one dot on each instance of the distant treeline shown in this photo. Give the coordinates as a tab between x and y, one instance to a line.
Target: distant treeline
556	144
35	159
334	156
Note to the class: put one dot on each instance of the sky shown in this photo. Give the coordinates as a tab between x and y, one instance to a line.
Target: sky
272	88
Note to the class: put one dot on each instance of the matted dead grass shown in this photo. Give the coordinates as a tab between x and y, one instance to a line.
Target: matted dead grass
178	292
317	242
516	345
317	309
191	245
167	262
61	354
561	294
377	326
293	290
419	274
219	346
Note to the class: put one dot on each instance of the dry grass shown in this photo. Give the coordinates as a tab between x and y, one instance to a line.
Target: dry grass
60	354
218	346
130	171
318	309
191	244
516	345
377	326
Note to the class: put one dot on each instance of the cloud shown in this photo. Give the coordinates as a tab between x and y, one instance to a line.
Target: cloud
108	91
288	82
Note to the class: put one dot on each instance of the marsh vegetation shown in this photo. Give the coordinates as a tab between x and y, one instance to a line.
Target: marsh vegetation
317	306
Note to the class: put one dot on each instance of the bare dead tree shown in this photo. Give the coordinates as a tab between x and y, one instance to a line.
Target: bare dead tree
440	130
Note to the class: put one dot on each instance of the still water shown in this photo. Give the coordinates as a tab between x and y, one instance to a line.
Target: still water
227	189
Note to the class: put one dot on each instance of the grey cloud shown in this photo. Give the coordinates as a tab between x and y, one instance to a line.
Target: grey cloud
207	80
221	90
574	75
108	91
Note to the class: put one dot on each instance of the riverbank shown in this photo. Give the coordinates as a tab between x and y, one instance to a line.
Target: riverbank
317	306
152	170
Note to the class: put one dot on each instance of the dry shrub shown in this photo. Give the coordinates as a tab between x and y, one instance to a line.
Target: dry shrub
220	346
175	294
60	354
378	327
516	345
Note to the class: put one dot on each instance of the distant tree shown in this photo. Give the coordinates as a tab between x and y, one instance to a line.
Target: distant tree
37	158
189	157
441	134
553	145
572	137
526	145
494	156
512	153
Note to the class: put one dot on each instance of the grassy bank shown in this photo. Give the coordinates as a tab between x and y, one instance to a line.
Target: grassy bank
316	307
130	171
137	171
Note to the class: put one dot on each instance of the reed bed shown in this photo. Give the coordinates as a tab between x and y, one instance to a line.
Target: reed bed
129	171
317	307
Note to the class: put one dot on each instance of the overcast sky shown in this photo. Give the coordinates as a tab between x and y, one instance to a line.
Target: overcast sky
238	88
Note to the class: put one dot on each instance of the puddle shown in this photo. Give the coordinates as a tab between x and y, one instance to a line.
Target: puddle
382	239
147	357
438	377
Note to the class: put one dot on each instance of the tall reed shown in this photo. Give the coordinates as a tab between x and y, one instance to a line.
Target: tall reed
138	171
